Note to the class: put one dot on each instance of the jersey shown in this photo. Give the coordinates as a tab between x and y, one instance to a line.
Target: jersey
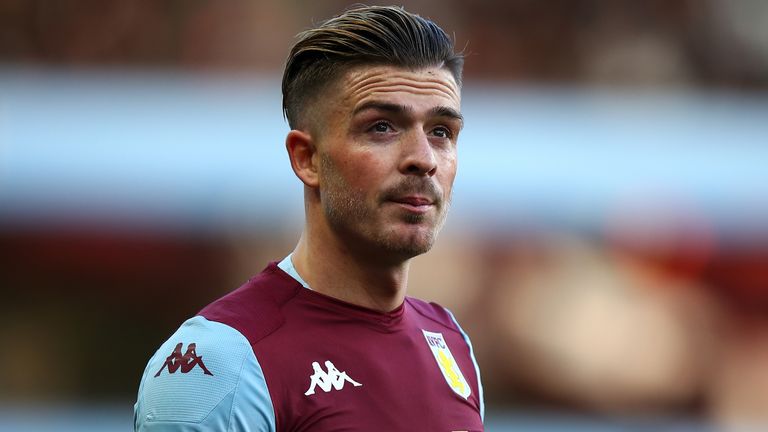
276	356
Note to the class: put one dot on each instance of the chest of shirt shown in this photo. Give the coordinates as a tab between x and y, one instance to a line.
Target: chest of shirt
344	376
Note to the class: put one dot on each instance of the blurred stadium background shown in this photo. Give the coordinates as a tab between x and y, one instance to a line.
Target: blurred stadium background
607	248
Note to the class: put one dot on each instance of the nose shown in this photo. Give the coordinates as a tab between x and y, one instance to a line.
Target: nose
418	155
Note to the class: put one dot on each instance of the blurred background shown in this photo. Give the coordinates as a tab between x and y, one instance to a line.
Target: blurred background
607	249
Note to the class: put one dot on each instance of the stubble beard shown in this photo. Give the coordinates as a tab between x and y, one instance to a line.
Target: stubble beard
349	214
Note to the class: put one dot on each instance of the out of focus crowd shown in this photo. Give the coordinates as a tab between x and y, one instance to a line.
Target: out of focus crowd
711	43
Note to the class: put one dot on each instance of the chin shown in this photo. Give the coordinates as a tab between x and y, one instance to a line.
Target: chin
410	244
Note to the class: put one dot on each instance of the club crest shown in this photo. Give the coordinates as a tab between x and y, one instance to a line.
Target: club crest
447	364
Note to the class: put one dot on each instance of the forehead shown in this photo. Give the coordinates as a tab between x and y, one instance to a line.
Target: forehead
428	86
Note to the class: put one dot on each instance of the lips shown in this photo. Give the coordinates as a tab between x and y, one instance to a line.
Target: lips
415	201
414	204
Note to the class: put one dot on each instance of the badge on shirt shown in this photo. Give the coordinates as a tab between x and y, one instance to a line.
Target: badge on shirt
447	364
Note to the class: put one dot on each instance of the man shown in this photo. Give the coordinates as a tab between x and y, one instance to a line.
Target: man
326	340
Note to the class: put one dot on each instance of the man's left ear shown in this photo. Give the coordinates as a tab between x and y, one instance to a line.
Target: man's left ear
301	151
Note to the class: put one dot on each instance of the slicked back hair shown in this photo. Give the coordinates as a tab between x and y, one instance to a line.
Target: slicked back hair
368	35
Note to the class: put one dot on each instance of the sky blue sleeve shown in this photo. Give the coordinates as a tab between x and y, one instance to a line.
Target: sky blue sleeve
205	377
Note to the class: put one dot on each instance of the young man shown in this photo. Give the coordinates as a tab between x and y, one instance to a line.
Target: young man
326	340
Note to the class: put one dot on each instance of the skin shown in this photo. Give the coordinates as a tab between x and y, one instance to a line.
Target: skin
377	157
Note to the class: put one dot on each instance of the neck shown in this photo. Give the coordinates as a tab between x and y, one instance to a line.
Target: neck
331	268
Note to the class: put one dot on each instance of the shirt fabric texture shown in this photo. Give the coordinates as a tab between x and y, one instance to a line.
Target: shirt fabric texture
275	356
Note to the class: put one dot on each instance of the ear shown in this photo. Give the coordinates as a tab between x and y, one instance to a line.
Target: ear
302	151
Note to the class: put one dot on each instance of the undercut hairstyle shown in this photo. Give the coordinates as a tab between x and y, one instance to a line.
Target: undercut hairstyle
369	35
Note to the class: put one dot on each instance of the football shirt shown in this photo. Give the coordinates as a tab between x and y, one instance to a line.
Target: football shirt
276	356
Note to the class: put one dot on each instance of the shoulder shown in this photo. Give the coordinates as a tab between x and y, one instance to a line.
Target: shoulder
206	375
197	379
434	312
254	309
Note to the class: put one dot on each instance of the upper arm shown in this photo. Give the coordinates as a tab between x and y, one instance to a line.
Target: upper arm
204	377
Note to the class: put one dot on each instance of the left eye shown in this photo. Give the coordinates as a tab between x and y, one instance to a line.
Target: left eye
381	127
441	132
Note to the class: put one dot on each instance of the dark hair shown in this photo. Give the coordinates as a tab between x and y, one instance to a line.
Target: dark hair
375	35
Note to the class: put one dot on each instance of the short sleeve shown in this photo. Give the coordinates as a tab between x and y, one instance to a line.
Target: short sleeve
204	377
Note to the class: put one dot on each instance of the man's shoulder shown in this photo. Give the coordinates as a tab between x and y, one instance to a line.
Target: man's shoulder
199	379
434	312
254	308
206	375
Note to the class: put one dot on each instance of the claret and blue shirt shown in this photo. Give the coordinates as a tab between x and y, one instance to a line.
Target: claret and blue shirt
275	356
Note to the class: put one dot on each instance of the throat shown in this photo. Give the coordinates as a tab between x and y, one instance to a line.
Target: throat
351	279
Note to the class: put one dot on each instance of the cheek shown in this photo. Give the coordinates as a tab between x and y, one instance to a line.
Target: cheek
448	171
363	170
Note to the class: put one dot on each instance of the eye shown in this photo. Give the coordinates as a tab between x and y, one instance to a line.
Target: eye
381	127
442	132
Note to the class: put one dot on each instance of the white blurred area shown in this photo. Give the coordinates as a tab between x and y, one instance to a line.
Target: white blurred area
201	150
606	249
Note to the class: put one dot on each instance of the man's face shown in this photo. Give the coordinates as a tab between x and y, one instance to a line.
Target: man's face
387	153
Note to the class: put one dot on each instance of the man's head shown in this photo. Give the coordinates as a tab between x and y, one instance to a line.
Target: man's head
375	35
373	99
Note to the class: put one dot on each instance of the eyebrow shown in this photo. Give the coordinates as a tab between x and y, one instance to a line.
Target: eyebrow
439	111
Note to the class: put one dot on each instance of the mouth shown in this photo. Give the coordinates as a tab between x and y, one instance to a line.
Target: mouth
414	204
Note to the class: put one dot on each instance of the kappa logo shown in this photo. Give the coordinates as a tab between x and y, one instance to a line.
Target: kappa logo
327	380
447	364
185	362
